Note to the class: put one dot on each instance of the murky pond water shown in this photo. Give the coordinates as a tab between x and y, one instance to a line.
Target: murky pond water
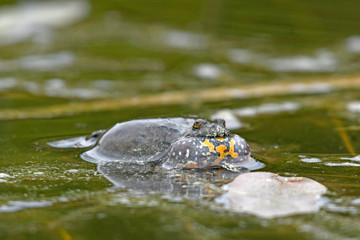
285	76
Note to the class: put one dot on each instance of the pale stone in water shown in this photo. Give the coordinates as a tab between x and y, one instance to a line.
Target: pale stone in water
269	195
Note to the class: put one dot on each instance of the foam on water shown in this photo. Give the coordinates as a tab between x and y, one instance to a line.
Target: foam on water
356	201
324	61
356	158
352	44
311	160
47	62
7	83
40	62
36	20
345	164
14	206
4	175
267	108
182	39
240	55
332	207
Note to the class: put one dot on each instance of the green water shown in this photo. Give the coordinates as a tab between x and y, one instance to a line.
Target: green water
122	42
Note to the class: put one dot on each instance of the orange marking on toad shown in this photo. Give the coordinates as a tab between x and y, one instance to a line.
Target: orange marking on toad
220	149
208	144
220	139
231	151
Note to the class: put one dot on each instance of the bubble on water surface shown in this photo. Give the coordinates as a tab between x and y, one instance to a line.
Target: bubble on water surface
207	71
240	55
182	39
353	107
352	44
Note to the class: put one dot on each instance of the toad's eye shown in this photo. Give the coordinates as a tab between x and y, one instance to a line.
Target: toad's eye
197	124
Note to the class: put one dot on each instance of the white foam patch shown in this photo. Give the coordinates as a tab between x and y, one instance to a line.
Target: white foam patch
352	44
7	83
207	71
356	158
353	107
311	160
182	39
356	201
41	62
72	170
14	206
345	164
4	175
57	87
47	62
232	122
342	209
267	108
240	55
36	20
324	61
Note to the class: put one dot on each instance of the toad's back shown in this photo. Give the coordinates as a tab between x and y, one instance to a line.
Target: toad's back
146	140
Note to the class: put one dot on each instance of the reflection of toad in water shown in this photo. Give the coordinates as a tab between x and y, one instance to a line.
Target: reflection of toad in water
189	183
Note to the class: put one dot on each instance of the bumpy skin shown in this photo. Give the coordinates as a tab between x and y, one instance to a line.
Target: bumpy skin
230	152
173	143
